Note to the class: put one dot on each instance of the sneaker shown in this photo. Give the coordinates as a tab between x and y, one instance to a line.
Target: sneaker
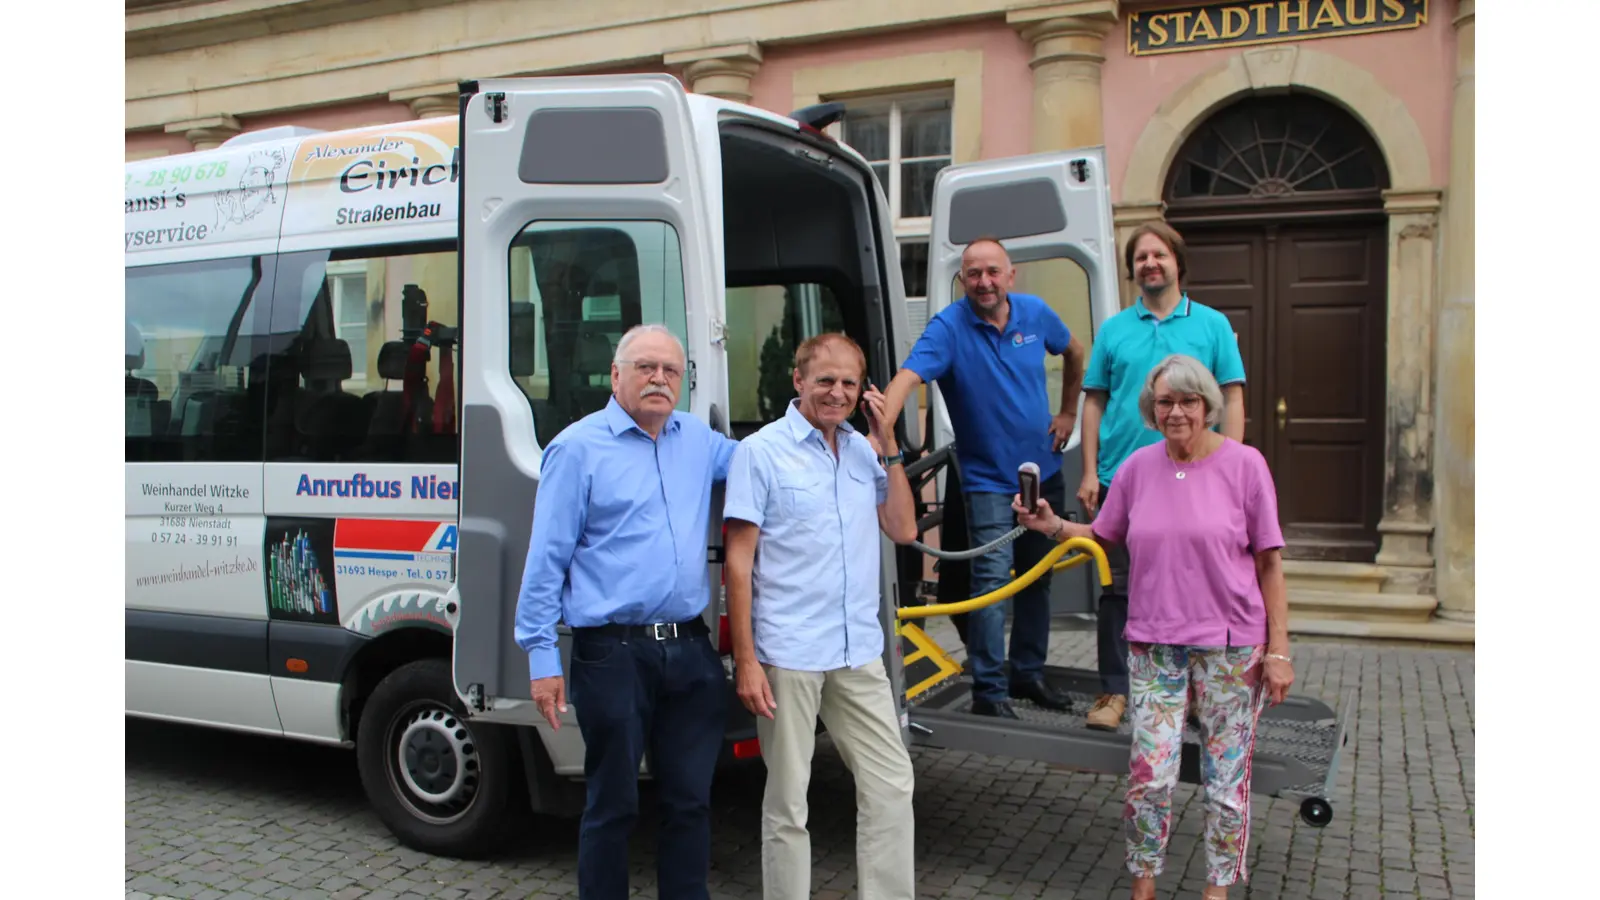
1106	714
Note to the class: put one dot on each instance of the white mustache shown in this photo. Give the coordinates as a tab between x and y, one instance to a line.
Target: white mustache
651	390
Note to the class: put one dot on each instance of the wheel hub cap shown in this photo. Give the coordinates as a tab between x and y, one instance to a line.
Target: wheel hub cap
436	756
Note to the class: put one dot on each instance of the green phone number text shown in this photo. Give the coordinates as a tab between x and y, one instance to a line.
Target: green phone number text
180	175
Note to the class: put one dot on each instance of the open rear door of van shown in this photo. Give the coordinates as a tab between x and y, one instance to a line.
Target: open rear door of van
582	212
1052	211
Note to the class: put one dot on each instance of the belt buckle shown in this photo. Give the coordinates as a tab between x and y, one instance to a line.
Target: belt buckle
662	631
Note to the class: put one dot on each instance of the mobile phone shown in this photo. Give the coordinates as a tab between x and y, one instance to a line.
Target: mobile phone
1028	483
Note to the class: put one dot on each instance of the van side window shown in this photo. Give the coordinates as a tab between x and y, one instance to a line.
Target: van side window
353	377
193	368
766	325
576	288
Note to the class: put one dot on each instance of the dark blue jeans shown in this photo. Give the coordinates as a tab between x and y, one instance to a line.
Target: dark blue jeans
989	516
666	698
1112	621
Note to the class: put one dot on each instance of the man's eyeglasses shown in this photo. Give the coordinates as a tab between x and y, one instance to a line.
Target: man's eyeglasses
649	368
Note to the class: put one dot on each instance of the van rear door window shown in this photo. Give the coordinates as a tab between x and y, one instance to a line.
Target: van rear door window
576	288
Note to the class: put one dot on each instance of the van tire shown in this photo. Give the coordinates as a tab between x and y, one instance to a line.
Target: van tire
444	785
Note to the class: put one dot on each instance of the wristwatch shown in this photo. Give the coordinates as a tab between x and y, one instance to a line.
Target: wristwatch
895	460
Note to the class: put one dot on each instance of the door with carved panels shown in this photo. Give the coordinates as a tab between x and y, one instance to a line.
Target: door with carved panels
1279	201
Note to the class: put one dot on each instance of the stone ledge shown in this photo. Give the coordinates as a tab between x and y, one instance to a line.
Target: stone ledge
1360	606
1317	575
1432	631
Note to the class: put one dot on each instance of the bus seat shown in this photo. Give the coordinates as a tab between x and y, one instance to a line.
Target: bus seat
332	421
387	414
524	339
147	413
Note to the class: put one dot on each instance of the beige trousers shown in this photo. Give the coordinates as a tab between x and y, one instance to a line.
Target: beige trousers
857	706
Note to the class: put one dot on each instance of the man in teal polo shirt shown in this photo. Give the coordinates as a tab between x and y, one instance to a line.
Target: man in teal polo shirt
987	351
1161	322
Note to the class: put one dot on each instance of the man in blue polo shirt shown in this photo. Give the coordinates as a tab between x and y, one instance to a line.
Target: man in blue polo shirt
1162	321
987	352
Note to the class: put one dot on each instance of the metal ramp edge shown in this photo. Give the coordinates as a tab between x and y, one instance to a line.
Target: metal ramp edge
1297	752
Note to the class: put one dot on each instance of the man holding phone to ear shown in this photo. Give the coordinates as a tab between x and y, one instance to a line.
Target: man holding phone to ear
807	496
987	353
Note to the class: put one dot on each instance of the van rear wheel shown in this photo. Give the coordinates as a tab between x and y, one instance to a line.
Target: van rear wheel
441	784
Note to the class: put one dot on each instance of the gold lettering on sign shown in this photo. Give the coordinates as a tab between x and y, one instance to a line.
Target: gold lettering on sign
1284	15
1158	31
1367	18
1229	32
1200	18
1181	18
1210	24
1328	13
1261	10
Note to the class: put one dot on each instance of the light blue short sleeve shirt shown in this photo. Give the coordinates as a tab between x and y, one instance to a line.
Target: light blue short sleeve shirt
815	585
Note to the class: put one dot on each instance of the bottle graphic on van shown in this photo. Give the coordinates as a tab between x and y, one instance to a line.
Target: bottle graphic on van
297	584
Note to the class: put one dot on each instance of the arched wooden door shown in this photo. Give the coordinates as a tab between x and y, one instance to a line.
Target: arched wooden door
1280	201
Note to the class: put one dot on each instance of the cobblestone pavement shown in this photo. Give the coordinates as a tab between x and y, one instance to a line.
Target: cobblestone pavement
212	815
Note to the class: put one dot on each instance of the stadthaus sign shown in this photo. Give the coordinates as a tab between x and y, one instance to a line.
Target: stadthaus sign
1205	26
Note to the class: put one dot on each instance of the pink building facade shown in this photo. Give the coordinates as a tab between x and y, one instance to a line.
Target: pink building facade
1316	154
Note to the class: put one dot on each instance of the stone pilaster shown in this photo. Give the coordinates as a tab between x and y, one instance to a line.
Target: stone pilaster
1406	527
1125	217
1068	53
1456	541
723	71
207	132
430	101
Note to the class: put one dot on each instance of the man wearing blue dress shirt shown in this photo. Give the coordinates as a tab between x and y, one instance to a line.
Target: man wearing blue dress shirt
806	498
618	553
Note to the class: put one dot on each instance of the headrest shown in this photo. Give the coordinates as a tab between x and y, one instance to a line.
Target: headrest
327	360
524	339
594	353
140	388
135	360
392	358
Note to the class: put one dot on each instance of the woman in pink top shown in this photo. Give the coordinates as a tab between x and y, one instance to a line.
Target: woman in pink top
1207	606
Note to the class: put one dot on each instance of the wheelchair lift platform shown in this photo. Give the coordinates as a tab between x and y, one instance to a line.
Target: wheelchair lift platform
1298	742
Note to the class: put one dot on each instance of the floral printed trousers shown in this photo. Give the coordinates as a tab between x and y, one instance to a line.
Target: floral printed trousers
1227	685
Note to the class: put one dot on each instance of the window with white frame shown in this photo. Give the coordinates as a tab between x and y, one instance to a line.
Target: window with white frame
908	139
347	288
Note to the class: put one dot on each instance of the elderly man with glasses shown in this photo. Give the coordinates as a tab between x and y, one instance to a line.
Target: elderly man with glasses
618	553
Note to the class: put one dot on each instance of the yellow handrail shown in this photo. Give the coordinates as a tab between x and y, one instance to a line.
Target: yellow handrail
1088	549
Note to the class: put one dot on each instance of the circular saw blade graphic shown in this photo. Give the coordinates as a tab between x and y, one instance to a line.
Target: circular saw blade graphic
399	609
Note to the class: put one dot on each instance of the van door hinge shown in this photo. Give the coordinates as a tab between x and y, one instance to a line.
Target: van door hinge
475	697
719	331
691	375
495	103
1080	170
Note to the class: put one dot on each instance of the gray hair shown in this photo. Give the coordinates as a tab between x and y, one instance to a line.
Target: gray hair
1186	375
638	331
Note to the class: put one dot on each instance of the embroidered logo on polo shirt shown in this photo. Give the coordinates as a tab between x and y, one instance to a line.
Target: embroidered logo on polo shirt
1018	338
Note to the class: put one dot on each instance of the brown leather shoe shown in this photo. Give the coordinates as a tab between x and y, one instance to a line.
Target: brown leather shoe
1106	714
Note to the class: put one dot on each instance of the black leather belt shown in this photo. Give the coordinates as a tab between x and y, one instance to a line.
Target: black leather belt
660	631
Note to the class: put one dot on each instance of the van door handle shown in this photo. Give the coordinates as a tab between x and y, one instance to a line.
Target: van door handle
1283	414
